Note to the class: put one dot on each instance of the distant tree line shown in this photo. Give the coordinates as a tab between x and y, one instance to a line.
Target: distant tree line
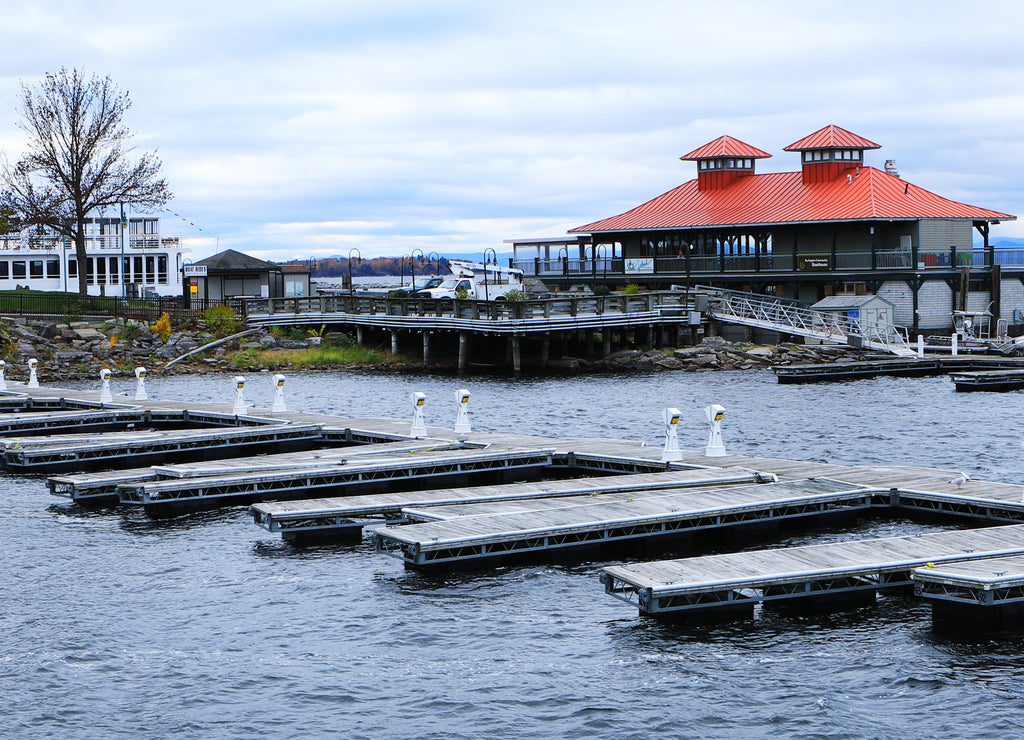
338	266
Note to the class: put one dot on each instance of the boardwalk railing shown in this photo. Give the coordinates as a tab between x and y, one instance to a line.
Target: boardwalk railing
791	317
315	309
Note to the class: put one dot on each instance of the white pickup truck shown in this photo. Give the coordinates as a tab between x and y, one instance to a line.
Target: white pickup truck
484	282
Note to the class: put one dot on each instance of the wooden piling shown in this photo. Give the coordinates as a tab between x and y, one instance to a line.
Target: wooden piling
463	351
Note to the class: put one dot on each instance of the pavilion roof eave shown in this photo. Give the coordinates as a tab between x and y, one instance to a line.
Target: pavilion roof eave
763	224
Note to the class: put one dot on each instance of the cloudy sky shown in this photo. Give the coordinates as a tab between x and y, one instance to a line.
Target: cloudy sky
309	128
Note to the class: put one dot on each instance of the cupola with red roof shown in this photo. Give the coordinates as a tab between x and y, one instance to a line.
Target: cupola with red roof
722	161
829	152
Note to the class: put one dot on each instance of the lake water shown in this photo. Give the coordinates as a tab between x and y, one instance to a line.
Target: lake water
206	626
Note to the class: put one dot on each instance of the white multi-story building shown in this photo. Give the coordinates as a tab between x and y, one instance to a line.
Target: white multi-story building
135	264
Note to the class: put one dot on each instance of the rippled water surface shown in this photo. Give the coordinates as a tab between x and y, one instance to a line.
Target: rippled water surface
206	626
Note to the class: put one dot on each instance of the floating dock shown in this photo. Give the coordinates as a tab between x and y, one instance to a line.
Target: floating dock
580	522
78	452
480	498
735	582
305	520
102	486
380	474
985	597
989	380
906	367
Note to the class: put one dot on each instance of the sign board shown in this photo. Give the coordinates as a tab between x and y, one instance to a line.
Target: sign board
193	286
188	270
639	265
814	263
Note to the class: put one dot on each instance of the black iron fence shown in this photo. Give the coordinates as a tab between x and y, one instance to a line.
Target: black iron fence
70	307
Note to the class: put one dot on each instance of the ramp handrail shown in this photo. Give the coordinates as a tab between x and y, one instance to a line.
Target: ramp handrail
794	318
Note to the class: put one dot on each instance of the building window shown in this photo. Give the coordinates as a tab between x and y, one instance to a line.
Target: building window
53	268
101	269
72	268
150	271
18	269
161	269
35	269
137	276
5	270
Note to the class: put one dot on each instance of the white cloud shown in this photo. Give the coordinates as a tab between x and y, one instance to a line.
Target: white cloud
309	127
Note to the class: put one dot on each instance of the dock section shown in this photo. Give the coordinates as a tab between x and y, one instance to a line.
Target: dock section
304	520
73	452
735	582
982	598
577	523
368	476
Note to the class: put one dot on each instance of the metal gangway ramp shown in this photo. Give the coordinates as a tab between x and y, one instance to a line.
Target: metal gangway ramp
791	317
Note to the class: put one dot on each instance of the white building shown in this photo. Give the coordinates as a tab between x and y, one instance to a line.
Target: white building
138	263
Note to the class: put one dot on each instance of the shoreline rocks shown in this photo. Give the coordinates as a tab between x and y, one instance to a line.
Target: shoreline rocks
80	350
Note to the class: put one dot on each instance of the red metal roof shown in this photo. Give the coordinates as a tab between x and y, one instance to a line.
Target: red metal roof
725	146
831	137
783	197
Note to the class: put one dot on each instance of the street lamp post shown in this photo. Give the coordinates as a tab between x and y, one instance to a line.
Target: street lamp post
437	262
351	285
124	238
495	256
412	267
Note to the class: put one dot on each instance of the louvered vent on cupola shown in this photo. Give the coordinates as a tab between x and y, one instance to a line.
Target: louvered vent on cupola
722	161
829	152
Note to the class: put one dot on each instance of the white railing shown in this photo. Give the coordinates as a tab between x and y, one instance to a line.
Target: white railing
46	243
793	318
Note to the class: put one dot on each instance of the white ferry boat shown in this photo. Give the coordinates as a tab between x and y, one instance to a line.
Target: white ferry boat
143	262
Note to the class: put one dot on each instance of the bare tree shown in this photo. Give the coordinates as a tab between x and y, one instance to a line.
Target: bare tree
78	160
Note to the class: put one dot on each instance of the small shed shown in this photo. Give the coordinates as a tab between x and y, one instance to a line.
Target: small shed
868	310
232	274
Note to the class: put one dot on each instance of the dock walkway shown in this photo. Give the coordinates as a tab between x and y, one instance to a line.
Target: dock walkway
295	519
727	580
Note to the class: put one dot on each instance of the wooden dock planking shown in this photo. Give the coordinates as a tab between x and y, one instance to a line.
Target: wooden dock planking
314	513
710	496
622	518
36	455
103	484
679	585
98	485
963	590
291	460
296	481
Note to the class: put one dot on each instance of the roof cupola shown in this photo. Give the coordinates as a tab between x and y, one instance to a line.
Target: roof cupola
722	161
829	152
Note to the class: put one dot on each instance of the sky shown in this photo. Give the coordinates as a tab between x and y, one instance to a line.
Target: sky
309	128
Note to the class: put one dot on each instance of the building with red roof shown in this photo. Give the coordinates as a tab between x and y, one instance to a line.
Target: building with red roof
835	225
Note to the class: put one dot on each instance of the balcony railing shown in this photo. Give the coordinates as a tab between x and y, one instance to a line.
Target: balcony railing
92	243
620	267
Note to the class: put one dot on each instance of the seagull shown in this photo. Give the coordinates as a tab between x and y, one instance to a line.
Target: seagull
960	479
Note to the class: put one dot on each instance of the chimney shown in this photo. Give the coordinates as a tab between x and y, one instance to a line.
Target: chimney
890	168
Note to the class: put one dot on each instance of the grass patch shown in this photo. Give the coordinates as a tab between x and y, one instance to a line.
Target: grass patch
312	356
